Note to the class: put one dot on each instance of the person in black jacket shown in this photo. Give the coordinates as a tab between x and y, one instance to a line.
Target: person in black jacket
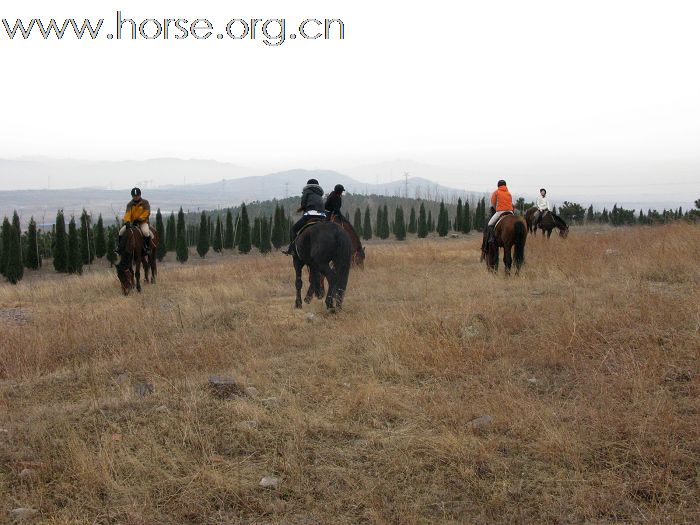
335	201
311	207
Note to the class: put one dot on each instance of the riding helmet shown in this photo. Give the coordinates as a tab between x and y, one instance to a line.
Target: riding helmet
312	181
339	187
543	190
136	192
501	183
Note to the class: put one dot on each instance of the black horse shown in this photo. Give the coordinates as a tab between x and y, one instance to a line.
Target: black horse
326	249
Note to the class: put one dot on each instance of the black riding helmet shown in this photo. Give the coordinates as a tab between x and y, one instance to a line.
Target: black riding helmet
543	190
339	188
501	183
136	192
312	181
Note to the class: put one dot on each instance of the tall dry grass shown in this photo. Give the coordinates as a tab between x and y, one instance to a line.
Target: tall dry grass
587	363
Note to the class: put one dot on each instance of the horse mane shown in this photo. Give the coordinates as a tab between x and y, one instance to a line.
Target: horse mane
559	222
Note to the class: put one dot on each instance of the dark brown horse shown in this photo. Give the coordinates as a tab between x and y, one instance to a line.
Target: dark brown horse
546	223
511	232
326	249
358	257
132	257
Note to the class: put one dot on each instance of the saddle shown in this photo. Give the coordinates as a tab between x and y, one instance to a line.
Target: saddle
310	223
503	215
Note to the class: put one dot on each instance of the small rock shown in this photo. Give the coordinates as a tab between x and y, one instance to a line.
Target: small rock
162	409
122	378
610	252
23	513
251	391
347	385
537	292
224	387
269	482
310	318
532	381
481	422
270	400
27	474
4	431
144	389
251	423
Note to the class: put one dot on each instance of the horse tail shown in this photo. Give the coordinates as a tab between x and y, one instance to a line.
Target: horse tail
520	234
342	259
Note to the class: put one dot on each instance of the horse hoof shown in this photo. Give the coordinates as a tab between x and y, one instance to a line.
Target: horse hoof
307	300
297	305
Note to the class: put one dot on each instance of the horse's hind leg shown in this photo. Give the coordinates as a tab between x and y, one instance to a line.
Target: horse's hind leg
138	276
298	282
154	271
330	274
507	258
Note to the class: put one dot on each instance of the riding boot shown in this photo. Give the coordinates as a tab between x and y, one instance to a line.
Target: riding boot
147	246
118	247
290	249
491	235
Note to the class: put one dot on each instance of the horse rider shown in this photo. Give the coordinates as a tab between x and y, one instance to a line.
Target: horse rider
137	213
501	202
335	201
543	206
311	207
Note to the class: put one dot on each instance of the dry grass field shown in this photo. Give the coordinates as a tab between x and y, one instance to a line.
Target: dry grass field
587	366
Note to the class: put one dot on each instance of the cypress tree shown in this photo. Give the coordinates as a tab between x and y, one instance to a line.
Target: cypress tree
386	229
203	242
422	222
590	216
367	226
218	243
14	269
171	234
75	260
229	237
399	225
100	238
255	235
431	224
60	249
18	229
244	227
160	230
378	222
87	254
466	219
412	222
33	259
278	226
265	244
459	217
181	249
6	242
357	221
443	224
111	241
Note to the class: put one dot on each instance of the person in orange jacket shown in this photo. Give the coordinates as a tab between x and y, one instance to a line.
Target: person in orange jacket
502	202
137	213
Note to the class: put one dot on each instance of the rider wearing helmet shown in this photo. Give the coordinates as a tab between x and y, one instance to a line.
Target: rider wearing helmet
335	201
311	207
501	202
137	213
543	206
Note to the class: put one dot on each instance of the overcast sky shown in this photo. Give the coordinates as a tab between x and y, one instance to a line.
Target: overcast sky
571	93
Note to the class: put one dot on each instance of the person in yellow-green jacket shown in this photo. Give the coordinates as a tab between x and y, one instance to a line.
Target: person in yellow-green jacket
137	213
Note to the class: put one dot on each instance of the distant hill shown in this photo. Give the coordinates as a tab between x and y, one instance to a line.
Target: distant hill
42	204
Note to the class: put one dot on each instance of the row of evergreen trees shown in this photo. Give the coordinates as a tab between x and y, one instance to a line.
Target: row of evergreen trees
78	243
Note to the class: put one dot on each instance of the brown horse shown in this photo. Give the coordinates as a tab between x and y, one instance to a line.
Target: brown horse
546	223
131	251
511	232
